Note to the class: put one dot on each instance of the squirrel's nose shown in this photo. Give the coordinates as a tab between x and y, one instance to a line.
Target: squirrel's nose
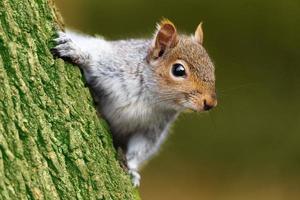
209	102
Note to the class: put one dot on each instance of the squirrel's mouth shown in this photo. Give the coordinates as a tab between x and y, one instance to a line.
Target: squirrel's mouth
193	107
201	103
190	107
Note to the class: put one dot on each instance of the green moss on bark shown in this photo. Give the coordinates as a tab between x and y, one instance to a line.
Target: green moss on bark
52	144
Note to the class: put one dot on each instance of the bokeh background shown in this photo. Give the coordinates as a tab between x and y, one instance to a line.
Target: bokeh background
248	148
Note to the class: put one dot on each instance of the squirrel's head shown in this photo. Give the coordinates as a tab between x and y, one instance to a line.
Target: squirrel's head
182	68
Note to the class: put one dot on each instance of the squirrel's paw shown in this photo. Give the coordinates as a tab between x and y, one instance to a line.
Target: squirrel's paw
66	49
135	177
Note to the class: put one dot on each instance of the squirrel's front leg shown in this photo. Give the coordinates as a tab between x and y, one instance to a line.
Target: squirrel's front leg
139	149
68	49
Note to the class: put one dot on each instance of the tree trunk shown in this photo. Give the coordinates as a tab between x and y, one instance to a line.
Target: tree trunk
52	144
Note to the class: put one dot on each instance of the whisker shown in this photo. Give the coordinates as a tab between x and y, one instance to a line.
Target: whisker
238	87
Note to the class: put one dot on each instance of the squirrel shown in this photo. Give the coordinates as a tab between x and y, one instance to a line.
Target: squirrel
141	85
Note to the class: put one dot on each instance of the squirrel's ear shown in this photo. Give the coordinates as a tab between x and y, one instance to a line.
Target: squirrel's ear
199	34
165	37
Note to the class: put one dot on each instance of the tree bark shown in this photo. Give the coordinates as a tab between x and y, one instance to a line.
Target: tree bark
52	144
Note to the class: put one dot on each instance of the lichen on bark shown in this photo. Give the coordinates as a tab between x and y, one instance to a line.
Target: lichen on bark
52	144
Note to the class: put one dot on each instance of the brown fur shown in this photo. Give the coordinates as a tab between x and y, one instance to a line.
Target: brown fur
199	84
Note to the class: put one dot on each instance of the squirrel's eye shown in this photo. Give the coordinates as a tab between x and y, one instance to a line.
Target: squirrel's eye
178	70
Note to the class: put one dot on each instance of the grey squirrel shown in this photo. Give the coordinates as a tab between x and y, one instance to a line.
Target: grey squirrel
141	85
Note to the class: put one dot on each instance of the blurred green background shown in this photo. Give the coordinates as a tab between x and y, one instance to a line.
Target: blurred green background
249	146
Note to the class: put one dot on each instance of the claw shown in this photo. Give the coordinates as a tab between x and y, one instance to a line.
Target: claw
62	38
54	52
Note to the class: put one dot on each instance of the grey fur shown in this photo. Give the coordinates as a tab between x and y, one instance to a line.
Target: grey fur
126	91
